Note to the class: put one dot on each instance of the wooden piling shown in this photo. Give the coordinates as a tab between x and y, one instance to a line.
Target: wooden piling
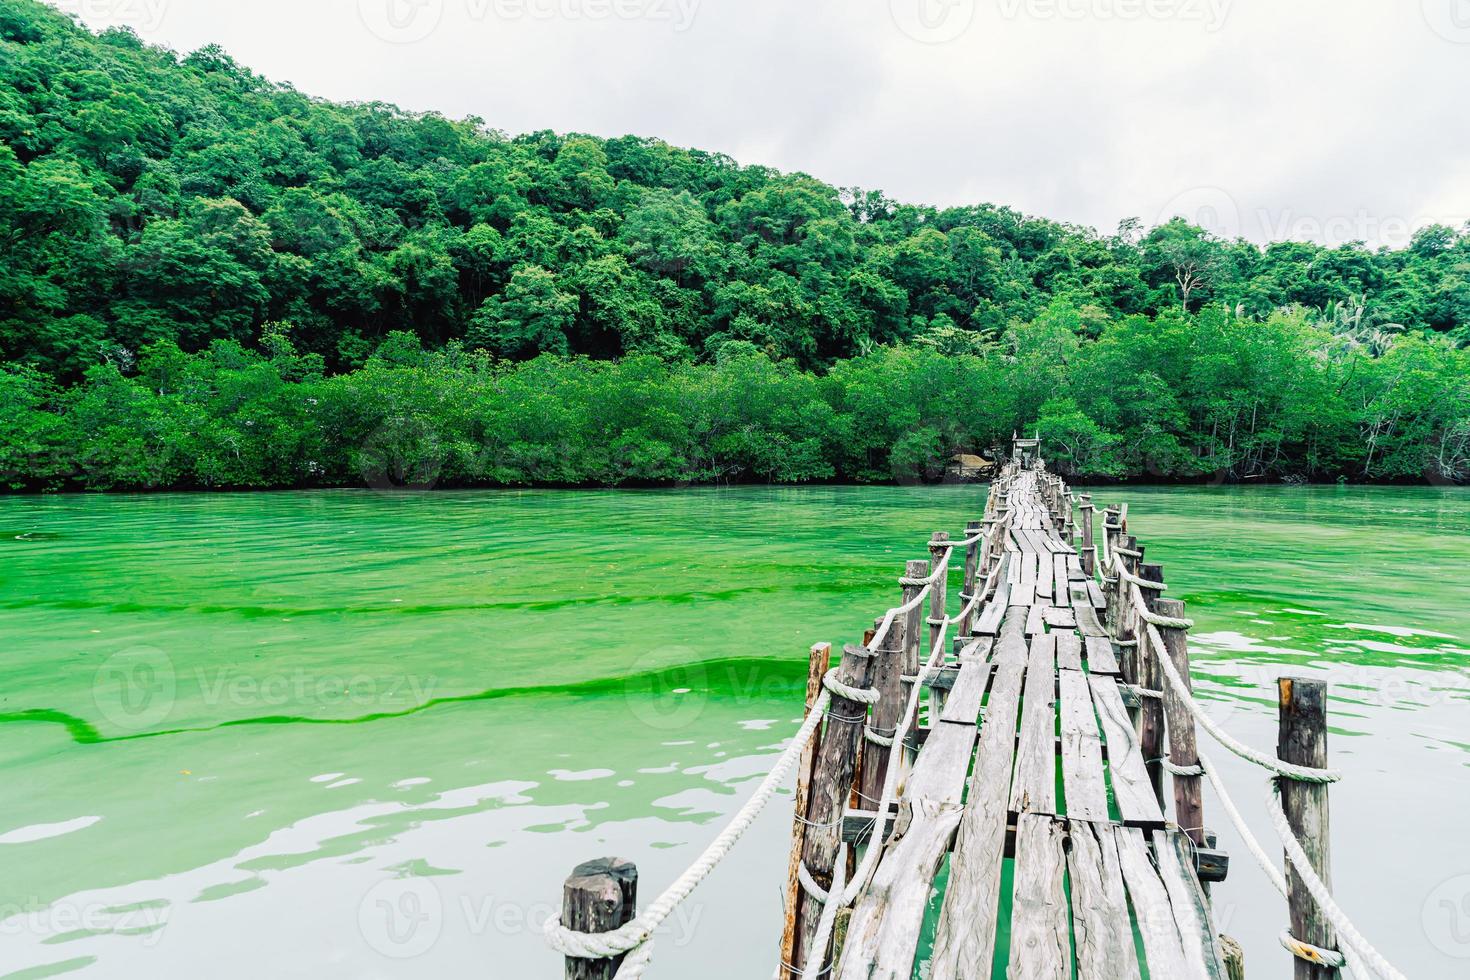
913	630
938	599
887	680
972	568
1302	740
831	785
1151	678
1183	748
820	660
598	896
1089	551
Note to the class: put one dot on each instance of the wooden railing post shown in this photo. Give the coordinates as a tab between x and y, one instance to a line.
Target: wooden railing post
938	600
887	680
1302	741
598	896
972	569
1151	678
832	784
1189	811
1089	551
819	661
913	631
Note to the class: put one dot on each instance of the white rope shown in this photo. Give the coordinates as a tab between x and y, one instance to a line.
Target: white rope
1347	933
862	695
816	961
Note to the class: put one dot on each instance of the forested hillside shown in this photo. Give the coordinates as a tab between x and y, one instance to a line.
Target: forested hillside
210	279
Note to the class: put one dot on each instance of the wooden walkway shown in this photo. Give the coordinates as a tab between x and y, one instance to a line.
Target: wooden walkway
1033	753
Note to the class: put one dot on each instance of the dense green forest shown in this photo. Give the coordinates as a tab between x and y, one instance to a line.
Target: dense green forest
210	279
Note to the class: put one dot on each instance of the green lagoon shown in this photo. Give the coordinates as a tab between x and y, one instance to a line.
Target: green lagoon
352	734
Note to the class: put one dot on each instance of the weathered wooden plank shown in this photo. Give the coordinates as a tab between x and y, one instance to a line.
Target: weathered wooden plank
1174	853
1062	588
1087	622
1069	651
1100	921
943	765
883	935
1041	947
1025	592
1011	646
964	944
1131	788
995	609
1059	617
1161	946
1099	601
1036	620
1045	577
1033	788
1101	658
977	648
1082	762
963	705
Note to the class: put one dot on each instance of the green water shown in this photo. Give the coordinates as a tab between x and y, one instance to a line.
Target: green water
361	735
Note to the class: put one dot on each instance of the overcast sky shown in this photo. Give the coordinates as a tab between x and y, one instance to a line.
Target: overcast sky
1328	120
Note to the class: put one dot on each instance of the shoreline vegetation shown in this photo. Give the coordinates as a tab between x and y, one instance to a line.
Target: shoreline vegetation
211	280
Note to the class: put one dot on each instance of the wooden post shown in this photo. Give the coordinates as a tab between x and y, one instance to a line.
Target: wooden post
1189	812
1151	678
938	600
1302	741
887	680
831	785
820	660
599	896
1089	551
1234	958
972	568
913	630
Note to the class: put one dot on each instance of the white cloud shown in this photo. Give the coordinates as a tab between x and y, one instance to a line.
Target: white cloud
1325	119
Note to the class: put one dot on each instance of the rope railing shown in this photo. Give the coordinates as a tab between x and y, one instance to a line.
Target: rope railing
634	940
1356	951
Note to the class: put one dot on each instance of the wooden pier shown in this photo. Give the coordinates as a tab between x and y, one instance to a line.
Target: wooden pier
1045	813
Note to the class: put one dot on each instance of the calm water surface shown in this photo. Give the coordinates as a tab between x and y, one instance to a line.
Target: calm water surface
356	735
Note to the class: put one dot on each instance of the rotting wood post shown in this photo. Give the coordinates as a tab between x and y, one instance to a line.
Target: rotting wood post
887	680
1151	678
1302	740
598	896
832	783
1089	552
972	568
938	599
1189	810
913	632
820	660
1233	957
